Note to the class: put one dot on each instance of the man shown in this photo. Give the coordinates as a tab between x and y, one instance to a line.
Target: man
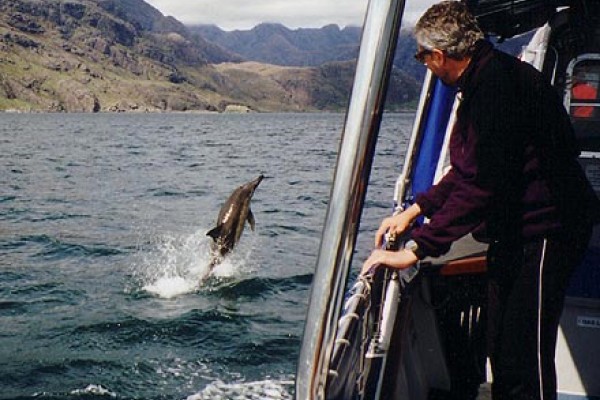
514	176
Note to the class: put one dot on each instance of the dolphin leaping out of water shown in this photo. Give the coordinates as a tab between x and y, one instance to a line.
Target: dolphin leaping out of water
231	221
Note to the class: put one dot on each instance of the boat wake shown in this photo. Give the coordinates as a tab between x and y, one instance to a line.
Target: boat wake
174	265
267	389
217	390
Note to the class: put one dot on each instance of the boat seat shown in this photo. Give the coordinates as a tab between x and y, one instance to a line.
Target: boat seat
466	256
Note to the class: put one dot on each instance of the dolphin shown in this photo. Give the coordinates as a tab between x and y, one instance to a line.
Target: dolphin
231	221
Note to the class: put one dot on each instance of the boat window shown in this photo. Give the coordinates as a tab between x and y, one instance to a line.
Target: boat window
583	102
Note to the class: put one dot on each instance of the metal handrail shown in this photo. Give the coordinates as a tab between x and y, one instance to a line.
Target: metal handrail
357	147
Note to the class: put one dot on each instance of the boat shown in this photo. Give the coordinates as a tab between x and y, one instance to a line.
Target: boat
420	333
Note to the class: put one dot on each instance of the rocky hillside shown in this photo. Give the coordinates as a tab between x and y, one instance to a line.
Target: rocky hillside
124	55
326	87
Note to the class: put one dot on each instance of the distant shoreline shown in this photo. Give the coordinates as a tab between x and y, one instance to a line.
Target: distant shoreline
135	112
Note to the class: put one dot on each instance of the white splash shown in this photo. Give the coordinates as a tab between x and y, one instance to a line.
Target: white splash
90	390
176	265
96	390
169	287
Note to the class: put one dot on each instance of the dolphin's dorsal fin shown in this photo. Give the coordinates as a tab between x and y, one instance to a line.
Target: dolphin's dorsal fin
251	219
215	232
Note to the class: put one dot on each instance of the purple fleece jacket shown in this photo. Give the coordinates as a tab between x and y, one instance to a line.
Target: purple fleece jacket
499	183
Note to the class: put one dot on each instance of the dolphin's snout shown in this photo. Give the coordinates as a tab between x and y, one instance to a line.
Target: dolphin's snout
258	180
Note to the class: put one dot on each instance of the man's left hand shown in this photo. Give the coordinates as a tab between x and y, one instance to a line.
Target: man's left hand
395	259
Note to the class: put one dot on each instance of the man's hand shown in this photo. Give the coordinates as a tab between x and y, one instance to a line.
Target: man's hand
397	224
395	259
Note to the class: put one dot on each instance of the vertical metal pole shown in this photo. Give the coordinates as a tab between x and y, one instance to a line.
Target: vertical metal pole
361	128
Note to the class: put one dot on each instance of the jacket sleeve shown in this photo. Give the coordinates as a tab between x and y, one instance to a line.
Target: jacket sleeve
432	200
485	171
462	208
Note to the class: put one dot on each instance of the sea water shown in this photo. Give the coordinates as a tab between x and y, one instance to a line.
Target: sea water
103	221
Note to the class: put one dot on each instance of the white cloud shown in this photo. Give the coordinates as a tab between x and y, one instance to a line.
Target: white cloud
244	14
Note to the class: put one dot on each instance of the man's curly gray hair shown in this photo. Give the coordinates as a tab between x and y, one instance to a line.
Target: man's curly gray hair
450	27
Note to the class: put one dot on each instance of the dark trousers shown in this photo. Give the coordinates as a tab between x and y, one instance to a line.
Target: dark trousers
526	294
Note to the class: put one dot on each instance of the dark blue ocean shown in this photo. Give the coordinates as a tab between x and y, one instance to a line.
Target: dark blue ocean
102	243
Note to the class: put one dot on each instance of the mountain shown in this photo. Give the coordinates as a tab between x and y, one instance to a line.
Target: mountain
330	49
276	44
124	55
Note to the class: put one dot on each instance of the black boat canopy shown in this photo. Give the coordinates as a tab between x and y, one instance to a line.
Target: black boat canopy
507	18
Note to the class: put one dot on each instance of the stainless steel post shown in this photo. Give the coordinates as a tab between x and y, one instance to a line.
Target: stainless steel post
361	128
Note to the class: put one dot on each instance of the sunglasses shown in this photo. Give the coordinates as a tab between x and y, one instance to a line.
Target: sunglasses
420	55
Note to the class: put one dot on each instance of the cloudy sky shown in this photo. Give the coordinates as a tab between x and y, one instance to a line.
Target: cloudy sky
245	14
